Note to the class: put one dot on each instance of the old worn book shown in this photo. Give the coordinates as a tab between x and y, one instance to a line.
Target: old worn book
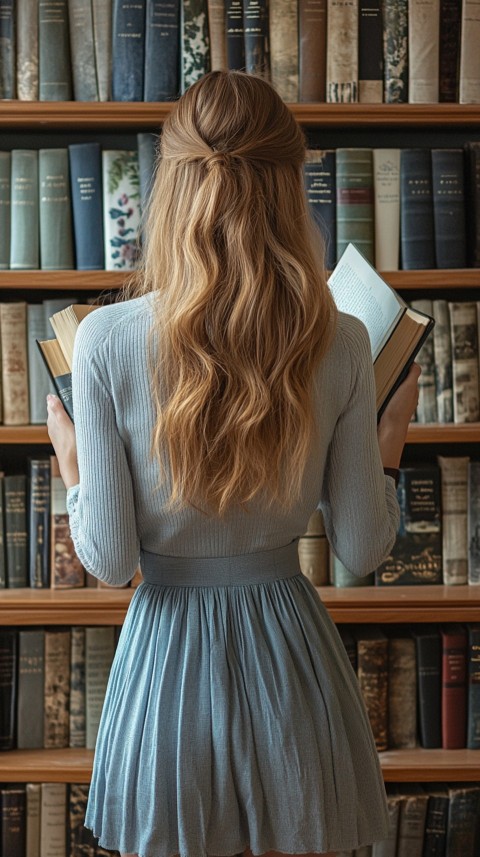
417	237
7	41
128	50
465	361
312	56
56	230
162	48
411	824
121	208
102	39
319	178
402	689
256	35
355	211
372	673
429	666
39	522
194	42
454	686
472	151
77	687
388	847
99	652
8	686
235	35
55	77
38	378
469	82
5	198
27	50
395	50
423	51
84	72
454	471
370	51
24	232
13	807
14	358
32	833
386	193
450	19
342	52
427	399
396	331
448	181
81	841
463	809
31	679
16	530
473	521
56	688
435	837
442	352
66	570
473	691
218	36
3	558
283	22
53	819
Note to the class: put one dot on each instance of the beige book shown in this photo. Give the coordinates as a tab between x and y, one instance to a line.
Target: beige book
423	51
469	83
283	17
53	824
465	361
342	51
32	833
386	191
57	689
218	35
454	472
13	334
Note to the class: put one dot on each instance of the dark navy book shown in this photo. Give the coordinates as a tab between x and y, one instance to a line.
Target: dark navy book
128	50
162	50
86	190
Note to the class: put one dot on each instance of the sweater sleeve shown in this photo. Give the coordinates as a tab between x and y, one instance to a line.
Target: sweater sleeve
101	506
359	503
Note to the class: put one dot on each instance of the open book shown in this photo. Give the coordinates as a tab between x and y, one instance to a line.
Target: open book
58	353
396	331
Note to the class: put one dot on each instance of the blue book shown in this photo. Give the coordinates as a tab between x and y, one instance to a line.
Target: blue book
320	187
7	52
162	51
128	50
86	189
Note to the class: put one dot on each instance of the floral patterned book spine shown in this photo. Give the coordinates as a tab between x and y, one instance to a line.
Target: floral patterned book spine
121	191
395	50
195	41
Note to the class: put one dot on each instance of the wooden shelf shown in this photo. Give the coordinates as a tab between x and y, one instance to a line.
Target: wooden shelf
23	434
64	606
402	603
75	765
121	115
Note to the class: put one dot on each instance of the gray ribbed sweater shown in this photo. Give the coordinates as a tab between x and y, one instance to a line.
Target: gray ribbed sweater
117	508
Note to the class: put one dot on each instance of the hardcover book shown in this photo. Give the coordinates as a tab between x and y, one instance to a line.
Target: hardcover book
34	794
427	399
283	23
450	18
465	356
55	79
5	214
429	677
218	36
195	41
423	51
14	354
416	210
13	818
3	558
473	692
235	34
85	162
469	83
53	820
386	191
448	181
355	211
473	522
56	233
435	838
319	177
402	689
454	471
80	17
411	824
312	38
121	208
57	688
16	530
454	686
396	331
102	39
463	809
66	570
395	50
342	51
31	679
99	652
370	52
372	672
38	379
128	50
442	352
255	29
77	687
27	50
39	522
473	200
162	50
24	233
7	55
8	686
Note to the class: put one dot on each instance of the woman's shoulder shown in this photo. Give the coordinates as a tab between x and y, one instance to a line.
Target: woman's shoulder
351	339
98	326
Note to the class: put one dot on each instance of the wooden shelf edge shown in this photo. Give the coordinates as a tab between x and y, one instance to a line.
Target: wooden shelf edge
46	766
64	606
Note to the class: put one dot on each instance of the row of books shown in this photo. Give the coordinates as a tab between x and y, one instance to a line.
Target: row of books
46	820
76	206
428	820
413	208
363	50
438	540
53	685
420	683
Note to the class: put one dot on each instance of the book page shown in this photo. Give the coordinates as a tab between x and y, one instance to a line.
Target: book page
360	291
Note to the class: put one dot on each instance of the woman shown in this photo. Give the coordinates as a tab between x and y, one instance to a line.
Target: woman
213	413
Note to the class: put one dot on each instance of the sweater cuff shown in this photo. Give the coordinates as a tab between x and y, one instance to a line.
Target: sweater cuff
72	499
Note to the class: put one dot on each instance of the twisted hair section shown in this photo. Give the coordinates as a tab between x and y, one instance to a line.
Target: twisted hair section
243	313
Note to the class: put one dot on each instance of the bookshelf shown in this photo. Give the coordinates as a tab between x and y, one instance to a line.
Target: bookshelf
364	605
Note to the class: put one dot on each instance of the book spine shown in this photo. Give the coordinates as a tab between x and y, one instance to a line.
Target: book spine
473	696
255	29
121	208
427	400
448	182
402	693
57	689
342	52
54	64
14	812
235	34
146	146
5	209
386	188
195	42
341	577
30	689
81	841
472	185
162	50
469	83
388	847
423	51
56	233
39	523
38	380
463	809
7	55
473	521
3	558
99	652
313	554
13	325
27	50
454	687
370	52
33	792
429	665
411	825
84	72
454	519
66	570
465	356
395	51
87	194
128	50
435	838
450	18
102	40
8	686
312	50
284	48
77	688
442	350
319	177
416	210
373	680
218	35
355	209
25	244
53	820
16	531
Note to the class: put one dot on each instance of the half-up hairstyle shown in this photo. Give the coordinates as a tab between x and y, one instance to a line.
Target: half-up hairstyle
243	314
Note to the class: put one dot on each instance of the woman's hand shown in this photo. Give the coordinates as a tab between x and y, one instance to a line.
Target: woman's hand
62	435
394	422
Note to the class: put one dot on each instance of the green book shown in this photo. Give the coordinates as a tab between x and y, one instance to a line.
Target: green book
56	231
355	205
54	65
24	235
5	173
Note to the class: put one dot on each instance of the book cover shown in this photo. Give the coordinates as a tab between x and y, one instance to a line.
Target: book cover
24	233
469	74
355	209
319	178
81	841
56	688
372	673
255	30
14	359
370	52
38	379
54	59
473	522
417	239
388	847
473	688
8	687
16	530
27	49
5	213
99	652
312	50
162	50
395	51
77	729
472	184
386	192
53	819
194	42
84	71
429	676
7	55
427	396
423	51
454	686
85	166
442	353
102	41
66	570
402	689
235	34
465	361
121	208
147	152
218	35
435	839
449	58
411	823
32	833
128	50
31	679
13	815
448	181
39	522
463	809
56	232
454	470
284	56
342	52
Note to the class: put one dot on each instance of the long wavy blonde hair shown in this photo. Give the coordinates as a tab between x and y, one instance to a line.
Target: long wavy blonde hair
243	315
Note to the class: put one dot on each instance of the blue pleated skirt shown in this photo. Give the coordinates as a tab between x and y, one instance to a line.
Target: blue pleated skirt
233	718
